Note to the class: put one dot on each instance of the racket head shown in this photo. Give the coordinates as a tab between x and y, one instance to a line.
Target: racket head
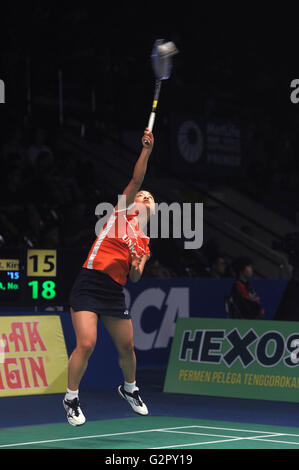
161	58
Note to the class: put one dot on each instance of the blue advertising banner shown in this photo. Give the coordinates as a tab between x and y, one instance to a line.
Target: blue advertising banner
206	145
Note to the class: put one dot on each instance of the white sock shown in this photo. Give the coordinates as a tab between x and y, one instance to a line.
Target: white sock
71	394
130	387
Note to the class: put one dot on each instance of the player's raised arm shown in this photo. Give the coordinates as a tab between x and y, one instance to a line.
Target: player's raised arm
139	171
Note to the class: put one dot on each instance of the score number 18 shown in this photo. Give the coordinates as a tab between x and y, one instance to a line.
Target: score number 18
42	263
48	289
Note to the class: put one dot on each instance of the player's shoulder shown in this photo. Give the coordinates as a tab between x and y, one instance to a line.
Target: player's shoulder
121	208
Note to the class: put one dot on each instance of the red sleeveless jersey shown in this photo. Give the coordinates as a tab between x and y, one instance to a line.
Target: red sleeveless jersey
111	251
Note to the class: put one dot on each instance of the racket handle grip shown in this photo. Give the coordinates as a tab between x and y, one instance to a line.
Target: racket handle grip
151	121
150	125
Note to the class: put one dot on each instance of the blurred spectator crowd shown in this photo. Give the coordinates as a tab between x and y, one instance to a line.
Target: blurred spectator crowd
45	192
272	176
48	197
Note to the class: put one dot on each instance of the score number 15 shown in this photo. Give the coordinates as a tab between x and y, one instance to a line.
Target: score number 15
41	263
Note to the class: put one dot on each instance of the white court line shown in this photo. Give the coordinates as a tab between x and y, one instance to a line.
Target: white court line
89	437
236	429
217	435
248	430
278	442
178	446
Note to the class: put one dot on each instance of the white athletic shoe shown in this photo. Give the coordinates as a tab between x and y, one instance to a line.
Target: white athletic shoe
73	412
134	400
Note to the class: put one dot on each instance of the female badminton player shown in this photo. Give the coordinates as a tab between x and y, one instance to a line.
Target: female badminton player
120	250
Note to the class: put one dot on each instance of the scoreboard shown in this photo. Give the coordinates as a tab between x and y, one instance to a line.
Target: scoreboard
10	278
41	274
38	276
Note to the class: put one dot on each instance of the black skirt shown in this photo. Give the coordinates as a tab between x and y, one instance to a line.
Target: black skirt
96	291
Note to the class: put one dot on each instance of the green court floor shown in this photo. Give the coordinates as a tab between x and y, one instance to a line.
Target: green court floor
151	433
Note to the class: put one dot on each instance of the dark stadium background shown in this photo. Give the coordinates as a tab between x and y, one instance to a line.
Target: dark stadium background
235	65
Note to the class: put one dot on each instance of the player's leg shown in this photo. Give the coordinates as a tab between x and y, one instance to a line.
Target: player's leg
85	326
121	332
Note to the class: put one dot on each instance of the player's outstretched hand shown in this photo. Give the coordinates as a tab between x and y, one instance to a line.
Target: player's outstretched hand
136	259
148	139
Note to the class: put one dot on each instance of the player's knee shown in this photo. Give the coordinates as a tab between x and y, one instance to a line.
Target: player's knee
127	348
87	346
